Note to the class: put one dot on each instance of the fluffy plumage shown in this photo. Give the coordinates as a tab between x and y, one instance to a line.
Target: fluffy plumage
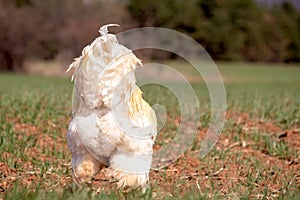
111	123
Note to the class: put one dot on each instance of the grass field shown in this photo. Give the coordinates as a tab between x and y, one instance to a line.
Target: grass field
256	157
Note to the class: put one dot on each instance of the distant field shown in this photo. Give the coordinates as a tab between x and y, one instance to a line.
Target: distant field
256	157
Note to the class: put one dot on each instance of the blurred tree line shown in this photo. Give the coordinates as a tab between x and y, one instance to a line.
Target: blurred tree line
52	29
227	29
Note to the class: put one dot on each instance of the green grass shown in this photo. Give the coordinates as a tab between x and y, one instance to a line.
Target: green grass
265	92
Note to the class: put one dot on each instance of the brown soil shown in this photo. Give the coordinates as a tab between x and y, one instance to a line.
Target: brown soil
187	173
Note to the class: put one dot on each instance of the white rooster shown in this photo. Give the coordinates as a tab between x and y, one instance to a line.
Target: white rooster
111	123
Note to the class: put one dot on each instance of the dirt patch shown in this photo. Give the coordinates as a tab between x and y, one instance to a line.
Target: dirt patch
38	164
7	175
25	129
233	163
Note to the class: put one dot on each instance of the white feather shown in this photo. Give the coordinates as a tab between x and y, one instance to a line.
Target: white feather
104	80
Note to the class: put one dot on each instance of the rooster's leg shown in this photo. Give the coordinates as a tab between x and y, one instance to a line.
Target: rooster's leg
84	165
119	161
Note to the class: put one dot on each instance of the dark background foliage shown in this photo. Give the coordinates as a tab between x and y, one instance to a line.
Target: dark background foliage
228	30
